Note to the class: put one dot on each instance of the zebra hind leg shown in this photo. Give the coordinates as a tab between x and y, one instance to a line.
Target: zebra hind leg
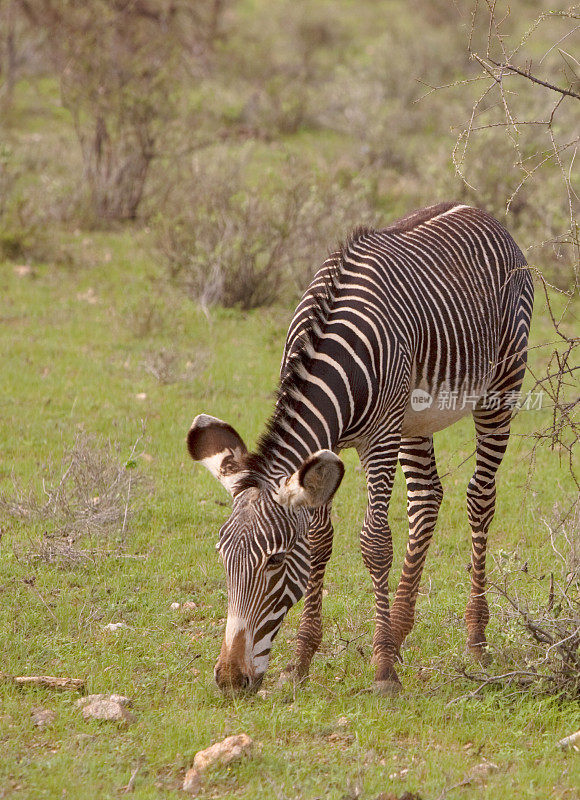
424	496
309	634
492	429
377	551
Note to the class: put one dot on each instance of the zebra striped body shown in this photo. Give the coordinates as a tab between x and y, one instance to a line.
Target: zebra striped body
402	332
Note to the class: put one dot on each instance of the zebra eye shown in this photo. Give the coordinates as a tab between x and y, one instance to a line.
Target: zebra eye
276	559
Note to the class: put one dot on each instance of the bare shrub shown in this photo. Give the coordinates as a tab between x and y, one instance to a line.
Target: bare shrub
169	366
89	498
539	614
120	63
236	244
524	106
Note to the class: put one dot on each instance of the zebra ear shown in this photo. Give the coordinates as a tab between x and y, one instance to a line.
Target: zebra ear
219	448
315	483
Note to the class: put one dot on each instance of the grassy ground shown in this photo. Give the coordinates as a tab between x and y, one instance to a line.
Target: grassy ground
79	345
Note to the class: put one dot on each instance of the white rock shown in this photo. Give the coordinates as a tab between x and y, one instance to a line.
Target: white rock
175	606
110	707
230	749
23	270
115	626
572	741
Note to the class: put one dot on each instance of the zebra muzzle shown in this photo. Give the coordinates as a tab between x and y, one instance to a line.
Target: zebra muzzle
231	672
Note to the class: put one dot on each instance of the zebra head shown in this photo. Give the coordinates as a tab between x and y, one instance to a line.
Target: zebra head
263	545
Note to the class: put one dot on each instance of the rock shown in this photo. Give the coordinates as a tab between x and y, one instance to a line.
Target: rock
399	775
43	717
230	749
110	707
115	626
571	742
48	681
192	781
188	606
141	396
174	606
480	772
89	296
24	271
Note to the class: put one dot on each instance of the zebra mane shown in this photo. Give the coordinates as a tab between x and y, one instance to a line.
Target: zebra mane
255	464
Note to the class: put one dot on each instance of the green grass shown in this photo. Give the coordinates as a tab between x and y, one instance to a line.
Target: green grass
72	364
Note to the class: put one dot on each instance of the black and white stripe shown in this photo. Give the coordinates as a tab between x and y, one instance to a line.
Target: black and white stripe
439	302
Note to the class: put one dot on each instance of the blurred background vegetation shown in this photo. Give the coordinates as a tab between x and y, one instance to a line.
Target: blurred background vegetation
246	138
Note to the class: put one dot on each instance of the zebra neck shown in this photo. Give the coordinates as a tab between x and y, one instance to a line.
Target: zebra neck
291	438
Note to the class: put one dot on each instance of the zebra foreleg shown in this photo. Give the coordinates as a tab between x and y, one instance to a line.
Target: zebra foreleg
492	430
310	629
424	496
377	552
309	634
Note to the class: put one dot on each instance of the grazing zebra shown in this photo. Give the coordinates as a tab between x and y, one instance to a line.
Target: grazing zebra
401	332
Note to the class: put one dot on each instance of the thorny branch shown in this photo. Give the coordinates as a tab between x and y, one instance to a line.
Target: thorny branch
532	105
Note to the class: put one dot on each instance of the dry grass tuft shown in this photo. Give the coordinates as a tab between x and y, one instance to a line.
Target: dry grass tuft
167	367
87	501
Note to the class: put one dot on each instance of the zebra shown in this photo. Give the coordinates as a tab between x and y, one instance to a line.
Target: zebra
396	324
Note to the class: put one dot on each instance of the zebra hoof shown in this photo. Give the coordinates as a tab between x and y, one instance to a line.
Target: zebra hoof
480	653
388	688
290	676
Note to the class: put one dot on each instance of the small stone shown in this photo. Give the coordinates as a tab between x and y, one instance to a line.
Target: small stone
141	396
342	722
43	717
175	606
110	707
399	775
571	742
480	772
23	270
188	606
115	626
230	749
89	296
